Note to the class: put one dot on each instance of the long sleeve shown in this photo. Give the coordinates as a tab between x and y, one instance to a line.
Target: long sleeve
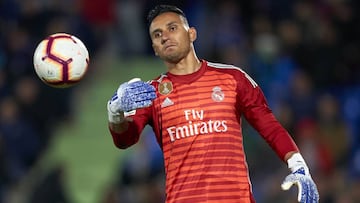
132	135
254	106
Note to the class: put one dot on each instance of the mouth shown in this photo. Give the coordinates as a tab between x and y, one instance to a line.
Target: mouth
169	46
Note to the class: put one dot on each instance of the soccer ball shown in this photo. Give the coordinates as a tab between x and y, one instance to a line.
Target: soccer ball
61	60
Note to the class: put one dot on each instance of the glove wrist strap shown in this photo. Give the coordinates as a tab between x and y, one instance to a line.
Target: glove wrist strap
115	117
296	161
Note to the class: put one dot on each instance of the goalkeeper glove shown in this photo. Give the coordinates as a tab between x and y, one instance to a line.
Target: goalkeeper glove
300	176
130	96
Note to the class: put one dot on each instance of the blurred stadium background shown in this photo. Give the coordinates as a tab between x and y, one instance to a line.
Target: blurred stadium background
54	143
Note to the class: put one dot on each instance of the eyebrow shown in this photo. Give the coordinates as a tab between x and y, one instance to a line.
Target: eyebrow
167	25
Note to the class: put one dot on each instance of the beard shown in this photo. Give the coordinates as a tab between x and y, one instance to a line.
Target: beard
175	56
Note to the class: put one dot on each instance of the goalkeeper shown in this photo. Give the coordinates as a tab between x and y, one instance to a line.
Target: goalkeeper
195	110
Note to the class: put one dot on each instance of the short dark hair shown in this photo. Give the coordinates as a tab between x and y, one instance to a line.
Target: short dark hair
160	9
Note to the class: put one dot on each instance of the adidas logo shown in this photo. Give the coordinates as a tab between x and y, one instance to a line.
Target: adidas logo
167	102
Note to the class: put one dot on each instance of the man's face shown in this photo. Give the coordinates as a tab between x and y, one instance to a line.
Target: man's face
171	37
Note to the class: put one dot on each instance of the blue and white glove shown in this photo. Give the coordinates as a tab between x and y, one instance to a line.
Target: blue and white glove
300	176
129	96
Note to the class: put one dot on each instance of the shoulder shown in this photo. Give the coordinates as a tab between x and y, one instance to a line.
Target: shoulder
225	67
238	73
220	65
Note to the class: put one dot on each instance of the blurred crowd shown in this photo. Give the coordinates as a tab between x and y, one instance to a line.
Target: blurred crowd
30	111
305	54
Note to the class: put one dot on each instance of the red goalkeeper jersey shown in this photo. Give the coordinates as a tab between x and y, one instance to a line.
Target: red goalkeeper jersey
197	122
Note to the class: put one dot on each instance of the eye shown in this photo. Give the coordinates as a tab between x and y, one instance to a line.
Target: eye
172	28
157	35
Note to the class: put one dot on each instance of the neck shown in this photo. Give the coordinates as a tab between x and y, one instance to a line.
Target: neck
185	66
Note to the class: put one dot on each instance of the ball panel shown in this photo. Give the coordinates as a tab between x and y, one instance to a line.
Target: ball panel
82	48
62	48
50	70
76	73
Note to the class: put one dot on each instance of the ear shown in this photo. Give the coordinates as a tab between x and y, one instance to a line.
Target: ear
192	34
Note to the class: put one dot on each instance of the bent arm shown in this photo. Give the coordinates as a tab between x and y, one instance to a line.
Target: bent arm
127	132
124	134
119	127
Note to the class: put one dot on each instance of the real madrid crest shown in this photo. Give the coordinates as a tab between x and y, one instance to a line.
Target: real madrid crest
165	88
217	94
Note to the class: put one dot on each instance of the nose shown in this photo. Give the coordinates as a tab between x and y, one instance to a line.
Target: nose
164	37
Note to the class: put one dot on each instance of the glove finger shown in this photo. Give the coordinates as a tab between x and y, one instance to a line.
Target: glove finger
138	95
148	96
131	102
134	80
317	196
146	89
307	193
112	106
126	89
143	96
114	97
313	193
143	104
288	182
286	185
140	87
138	84
301	192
